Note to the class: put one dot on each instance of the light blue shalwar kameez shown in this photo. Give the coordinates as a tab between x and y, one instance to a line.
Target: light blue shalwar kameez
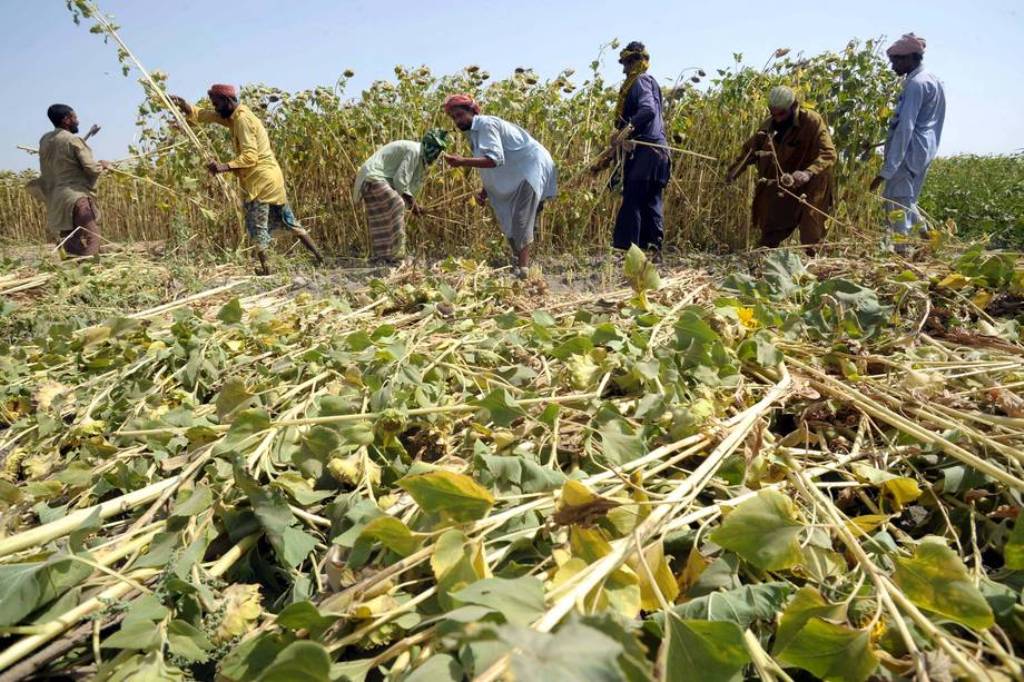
524	176
913	142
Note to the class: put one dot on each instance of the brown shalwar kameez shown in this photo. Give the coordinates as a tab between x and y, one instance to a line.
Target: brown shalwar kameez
67	184
805	146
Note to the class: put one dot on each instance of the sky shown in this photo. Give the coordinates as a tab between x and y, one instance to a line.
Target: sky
974	47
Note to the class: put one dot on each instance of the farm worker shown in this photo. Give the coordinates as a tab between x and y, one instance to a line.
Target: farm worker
915	130
67	183
794	155
646	168
266	202
517	172
388	183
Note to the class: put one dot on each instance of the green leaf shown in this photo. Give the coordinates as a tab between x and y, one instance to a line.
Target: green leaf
391	533
574	653
26	587
620	443
456	563
701	650
233	396
291	545
230	312
807	603
763	531
831	652
437	668
134	634
936	579
299	662
1013	551
742	605
199	500
303	615
759	349
501	409
187	641
455	497
520	600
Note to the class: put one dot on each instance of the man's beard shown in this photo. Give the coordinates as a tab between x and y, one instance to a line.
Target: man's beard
73	129
223	112
464	126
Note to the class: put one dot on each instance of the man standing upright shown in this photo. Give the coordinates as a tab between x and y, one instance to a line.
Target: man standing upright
67	183
645	171
915	131
266	201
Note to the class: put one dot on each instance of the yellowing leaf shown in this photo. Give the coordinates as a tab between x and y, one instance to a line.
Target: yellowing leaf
831	652
902	490
864	525
456	562
391	533
455	497
936	579
954	280
982	298
664	581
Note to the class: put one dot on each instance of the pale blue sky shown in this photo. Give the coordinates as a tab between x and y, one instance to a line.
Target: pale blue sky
975	47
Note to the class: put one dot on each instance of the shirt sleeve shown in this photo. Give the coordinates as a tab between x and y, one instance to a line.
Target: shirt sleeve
488	143
900	137
746	156
206	116
248	152
85	159
826	151
405	177
645	103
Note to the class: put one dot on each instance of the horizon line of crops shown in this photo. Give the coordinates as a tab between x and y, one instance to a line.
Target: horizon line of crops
321	138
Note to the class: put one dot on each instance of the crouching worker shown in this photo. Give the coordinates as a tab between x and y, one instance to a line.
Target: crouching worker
266	201
387	184
68	174
517	172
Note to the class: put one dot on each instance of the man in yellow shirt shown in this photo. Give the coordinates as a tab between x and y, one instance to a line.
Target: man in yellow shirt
266	201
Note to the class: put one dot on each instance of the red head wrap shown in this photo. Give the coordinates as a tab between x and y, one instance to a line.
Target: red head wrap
223	90
453	101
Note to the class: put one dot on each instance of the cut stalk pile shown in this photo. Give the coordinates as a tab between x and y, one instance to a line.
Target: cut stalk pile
758	466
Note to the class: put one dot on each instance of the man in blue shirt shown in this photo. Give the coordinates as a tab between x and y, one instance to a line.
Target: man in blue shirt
646	168
914	134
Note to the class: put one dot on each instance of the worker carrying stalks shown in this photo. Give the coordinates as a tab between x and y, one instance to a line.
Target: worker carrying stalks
266	201
794	155
68	174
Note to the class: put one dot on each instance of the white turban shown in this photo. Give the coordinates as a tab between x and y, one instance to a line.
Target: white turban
781	97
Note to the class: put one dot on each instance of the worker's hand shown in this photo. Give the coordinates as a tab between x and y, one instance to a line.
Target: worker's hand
454	160
180	102
481	197
801	178
106	165
876	183
216	167
414	207
730	177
